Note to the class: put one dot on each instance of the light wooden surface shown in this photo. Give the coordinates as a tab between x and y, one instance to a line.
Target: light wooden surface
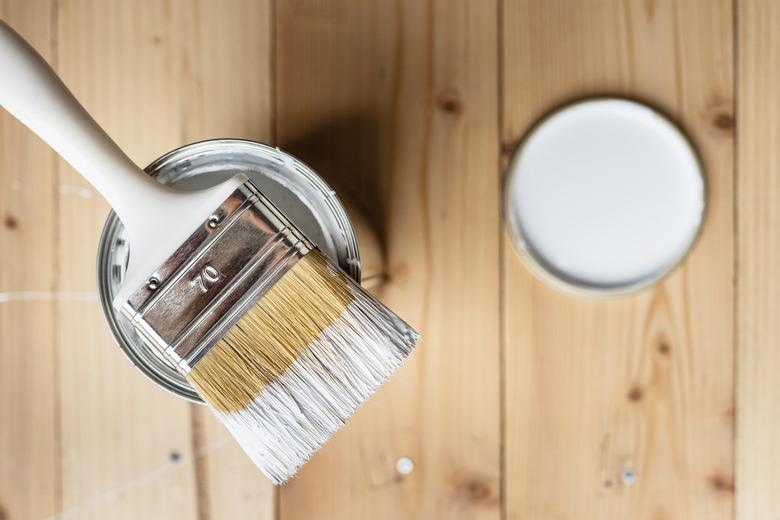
397	102
641	384
86	434
758	250
520	402
30	461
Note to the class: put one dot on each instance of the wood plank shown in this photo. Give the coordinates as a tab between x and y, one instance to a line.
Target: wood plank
118	430
155	75
641	384
758	250
396	103
225	90
29	411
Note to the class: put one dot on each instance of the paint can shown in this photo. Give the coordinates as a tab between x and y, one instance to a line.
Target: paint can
291	185
604	197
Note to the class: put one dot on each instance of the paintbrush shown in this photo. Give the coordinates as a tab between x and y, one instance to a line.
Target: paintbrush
280	342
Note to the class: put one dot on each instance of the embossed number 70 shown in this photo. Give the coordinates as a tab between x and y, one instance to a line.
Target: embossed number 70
206	277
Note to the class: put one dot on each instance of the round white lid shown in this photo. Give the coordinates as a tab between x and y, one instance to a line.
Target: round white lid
604	196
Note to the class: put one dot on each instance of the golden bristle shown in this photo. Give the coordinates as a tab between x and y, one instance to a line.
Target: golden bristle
272	334
295	367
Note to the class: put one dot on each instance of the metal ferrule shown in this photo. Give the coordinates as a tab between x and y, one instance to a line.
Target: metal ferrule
221	270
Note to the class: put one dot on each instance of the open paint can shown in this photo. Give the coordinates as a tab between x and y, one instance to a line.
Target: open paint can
291	185
604	197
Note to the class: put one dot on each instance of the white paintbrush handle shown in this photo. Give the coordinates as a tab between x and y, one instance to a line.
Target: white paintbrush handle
157	218
32	92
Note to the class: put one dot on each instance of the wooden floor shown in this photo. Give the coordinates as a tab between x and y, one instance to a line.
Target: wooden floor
520	402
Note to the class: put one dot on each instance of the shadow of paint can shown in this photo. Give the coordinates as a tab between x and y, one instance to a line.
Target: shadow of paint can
291	185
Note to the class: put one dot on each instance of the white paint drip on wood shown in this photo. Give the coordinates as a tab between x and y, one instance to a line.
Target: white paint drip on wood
78	511
73	189
44	296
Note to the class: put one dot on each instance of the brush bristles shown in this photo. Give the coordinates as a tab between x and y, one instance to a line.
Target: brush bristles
295	367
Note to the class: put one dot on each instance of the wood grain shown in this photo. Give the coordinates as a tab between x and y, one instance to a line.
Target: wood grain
174	86
30	480
758	250
520	402
118	431
397	104
642	384
98	439
224	82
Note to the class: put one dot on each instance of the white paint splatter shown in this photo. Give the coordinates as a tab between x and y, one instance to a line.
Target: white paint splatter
46	296
404	465
79	191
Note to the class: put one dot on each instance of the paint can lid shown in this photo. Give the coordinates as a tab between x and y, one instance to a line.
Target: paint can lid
604	197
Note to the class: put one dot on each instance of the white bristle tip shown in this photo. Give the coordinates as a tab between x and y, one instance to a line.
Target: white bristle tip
299	411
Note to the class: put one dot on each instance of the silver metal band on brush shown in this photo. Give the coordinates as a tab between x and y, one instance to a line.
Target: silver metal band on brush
222	269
